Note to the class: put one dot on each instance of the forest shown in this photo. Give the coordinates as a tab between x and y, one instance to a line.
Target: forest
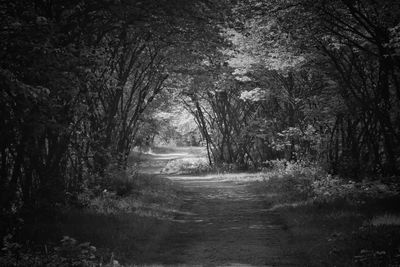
294	96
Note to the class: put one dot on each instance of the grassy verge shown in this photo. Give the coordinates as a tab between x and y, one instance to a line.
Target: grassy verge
120	217
336	222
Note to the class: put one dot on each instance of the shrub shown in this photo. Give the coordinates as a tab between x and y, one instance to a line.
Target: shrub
118	180
294	168
291	188
330	187
187	166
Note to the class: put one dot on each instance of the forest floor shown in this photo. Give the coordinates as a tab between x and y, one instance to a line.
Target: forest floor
170	215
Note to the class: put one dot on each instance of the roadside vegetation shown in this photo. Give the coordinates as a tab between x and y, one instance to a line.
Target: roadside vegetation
117	215
340	222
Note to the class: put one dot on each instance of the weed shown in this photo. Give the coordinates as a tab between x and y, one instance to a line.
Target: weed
67	253
325	214
386	219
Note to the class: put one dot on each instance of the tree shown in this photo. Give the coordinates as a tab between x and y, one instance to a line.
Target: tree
77	79
347	44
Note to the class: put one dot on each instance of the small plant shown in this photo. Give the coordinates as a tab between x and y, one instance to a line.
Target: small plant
120	181
72	253
68	253
386	219
380	245
9	246
329	188
371	258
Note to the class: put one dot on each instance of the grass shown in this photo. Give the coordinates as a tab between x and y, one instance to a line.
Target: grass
386	219
126	236
125	219
336	227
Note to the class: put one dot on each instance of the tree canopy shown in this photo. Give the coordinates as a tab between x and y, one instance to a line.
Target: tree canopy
77	80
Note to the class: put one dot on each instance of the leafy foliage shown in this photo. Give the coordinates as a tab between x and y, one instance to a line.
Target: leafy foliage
322	82
68	253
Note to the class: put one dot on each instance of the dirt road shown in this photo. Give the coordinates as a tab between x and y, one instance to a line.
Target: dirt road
220	223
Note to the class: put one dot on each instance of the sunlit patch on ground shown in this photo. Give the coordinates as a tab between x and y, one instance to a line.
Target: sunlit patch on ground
171	160
194	265
233	177
291	205
169	156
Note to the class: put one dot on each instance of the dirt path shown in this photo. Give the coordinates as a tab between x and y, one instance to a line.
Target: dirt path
222	223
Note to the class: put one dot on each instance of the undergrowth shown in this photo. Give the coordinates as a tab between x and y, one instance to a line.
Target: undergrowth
338	221
67	252
187	166
123	203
